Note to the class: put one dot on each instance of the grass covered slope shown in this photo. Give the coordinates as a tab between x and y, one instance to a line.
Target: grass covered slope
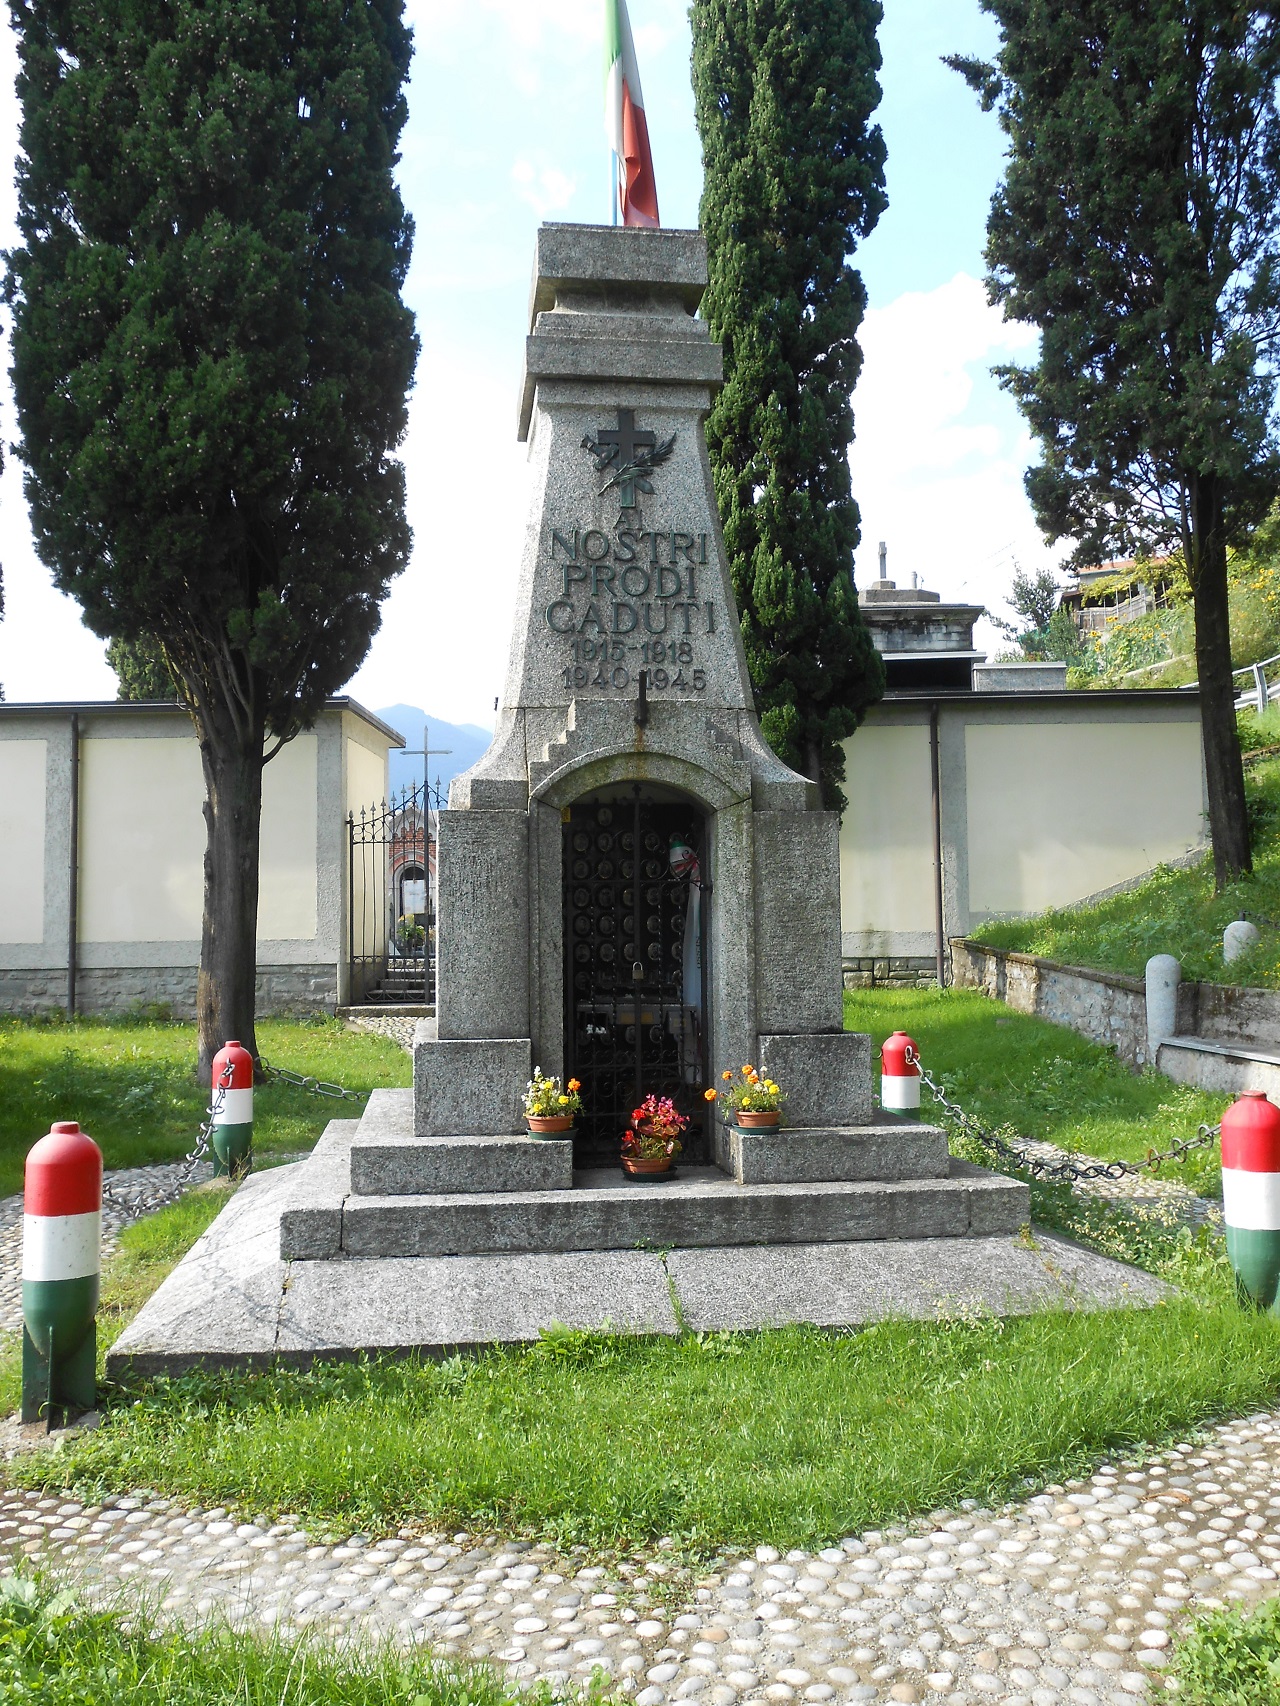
1041	1079
1172	912
132	1086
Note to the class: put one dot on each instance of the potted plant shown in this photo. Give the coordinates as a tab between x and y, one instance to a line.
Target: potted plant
547	1107
409	933
652	1141
755	1102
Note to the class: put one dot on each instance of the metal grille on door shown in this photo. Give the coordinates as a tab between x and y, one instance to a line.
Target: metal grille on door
635	953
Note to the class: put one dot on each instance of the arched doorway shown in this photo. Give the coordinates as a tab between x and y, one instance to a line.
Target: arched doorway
635	935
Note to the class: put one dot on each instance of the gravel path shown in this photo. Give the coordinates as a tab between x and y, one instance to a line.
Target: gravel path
1147	1193
1071	1597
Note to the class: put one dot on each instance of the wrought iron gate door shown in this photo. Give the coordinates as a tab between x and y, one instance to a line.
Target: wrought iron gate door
391	853
635	932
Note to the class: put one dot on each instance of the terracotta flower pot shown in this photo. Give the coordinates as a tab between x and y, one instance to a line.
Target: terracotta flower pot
544	1125
762	1121
638	1169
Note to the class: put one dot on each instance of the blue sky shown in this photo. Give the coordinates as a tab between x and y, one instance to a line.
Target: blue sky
506	130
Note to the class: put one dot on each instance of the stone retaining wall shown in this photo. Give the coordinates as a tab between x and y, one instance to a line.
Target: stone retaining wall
899	971
124	989
1102	1005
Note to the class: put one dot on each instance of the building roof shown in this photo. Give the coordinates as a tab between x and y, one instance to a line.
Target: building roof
126	708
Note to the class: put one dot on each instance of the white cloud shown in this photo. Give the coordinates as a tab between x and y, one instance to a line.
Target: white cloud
937	469
546	189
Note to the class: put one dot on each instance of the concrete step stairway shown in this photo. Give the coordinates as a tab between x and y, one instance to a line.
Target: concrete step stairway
1212	1065
392	1194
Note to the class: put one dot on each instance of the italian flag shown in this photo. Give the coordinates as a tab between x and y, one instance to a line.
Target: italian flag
624	121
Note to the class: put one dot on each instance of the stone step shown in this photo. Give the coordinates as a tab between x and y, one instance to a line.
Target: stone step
1219	1066
890	1148
389	1165
699	1208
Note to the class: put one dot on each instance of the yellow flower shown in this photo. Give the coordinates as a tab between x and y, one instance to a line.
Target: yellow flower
563	1101
771	1087
710	1095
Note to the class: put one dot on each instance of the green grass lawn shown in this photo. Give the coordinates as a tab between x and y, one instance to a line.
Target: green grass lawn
132	1086
1173	912
1041	1080
1231	1658
56	1652
796	1436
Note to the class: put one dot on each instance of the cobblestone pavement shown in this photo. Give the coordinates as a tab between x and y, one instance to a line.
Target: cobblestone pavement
400	1030
1072	1597
133	1192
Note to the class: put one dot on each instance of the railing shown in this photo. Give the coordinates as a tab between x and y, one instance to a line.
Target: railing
1259	691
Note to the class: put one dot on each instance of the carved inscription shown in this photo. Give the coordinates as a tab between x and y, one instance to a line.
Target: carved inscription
629	603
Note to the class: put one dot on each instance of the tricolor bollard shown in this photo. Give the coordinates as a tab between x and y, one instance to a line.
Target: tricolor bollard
1251	1196
61	1265
899	1074
232	1111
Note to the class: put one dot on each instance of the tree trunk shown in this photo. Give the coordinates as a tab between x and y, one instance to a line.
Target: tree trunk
227	983
1224	770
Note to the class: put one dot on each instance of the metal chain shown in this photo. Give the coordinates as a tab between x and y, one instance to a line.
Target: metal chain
1067	1168
163	1194
316	1086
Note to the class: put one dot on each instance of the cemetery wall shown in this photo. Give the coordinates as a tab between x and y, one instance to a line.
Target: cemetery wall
1044	800
140	839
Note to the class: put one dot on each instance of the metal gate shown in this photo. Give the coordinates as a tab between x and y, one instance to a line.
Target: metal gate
635	932
391	899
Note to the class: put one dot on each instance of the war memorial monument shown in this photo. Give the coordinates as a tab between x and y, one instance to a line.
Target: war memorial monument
633	890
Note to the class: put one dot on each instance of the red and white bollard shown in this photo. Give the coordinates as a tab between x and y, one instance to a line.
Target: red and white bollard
899	1074
1251	1197
232	1110
61	1269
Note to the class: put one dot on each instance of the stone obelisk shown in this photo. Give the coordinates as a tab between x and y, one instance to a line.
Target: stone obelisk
626	667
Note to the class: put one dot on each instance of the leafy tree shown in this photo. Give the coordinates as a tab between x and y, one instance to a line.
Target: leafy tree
1138	225
211	359
1033	598
794	176
143	674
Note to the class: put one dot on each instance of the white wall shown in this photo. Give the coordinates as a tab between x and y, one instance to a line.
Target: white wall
886	840
142	840
1045	800
141	811
22	836
1061	811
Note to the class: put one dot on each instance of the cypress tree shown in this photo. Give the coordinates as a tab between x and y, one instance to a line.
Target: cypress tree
211	360
1138	225
785	90
142	673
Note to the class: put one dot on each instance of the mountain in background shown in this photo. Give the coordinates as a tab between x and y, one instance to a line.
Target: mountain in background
467	741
